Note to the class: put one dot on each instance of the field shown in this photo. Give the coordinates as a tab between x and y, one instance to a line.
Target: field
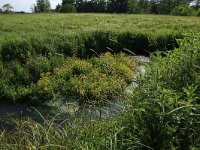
87	58
74	34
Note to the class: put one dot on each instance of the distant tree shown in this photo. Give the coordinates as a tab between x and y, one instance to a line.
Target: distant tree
111	6
58	8
154	6
197	4
133	7
68	6
117	6
64	2
42	6
139	6
182	10
166	6
101	6
7	8
144	6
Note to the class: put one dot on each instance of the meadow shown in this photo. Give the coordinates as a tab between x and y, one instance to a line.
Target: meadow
86	57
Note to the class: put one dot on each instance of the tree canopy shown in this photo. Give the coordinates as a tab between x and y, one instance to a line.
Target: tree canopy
7	8
122	6
42	6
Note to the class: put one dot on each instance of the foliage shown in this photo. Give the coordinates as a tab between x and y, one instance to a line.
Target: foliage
68	8
139	7
129	6
198	12
182	11
166	6
74	133
42	6
95	81
163	111
165	106
40	78
79	42
27	54
7	8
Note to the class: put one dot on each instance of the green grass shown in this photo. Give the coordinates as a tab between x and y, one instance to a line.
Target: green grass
76	23
75	34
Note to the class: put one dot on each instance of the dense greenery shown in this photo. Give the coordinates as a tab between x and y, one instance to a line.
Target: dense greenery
51	57
163	112
41	34
93	81
128	6
33	49
165	107
42	6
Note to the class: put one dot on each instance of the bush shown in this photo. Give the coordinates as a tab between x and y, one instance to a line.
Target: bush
68	8
198	12
182	11
93	81
17	49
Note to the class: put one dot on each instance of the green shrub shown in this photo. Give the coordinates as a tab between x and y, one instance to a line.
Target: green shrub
93	81
38	65
198	12
68	8
19	50
182	11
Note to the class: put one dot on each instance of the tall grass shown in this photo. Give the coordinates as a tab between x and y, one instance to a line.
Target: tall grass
165	107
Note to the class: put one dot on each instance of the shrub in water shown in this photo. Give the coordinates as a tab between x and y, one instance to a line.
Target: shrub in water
93	81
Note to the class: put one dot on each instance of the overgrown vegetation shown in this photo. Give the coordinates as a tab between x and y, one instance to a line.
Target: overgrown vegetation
188	7
165	107
163	112
94	81
32	48
51	59
41	34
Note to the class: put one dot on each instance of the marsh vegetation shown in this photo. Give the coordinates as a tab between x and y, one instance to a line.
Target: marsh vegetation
85	58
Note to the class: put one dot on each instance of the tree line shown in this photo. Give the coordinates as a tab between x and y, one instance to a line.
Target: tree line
182	7
176	7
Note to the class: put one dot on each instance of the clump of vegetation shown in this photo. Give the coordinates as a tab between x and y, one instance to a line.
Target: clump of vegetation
198	12
182	11
95	80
